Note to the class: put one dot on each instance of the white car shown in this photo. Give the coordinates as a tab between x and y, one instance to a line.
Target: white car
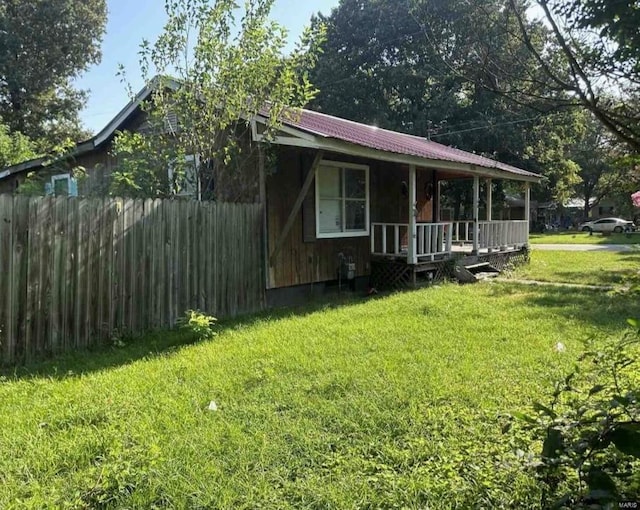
608	225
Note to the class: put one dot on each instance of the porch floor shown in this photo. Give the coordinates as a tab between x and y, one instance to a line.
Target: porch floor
457	250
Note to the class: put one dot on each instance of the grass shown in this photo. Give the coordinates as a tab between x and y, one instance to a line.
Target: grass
588	268
583	238
389	403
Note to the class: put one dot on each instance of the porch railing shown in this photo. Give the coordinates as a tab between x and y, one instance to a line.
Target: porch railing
462	231
492	234
436	239
392	239
503	234
389	238
432	239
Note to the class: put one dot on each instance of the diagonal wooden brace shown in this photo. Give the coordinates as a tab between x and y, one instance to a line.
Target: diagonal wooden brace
296	208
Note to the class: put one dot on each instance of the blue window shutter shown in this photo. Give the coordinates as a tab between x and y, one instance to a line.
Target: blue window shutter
73	187
48	188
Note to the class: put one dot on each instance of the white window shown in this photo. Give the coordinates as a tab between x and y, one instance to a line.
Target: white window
187	183
342	200
62	185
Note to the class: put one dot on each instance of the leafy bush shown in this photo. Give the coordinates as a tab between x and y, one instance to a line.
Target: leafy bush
198	323
590	431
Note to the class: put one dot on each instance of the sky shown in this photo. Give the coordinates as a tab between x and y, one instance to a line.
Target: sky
131	21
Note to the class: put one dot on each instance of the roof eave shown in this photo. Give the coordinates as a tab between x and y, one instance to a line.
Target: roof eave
436	164
351	149
108	131
104	135
41	162
22	167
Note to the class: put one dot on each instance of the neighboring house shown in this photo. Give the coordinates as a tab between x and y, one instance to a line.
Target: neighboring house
341	198
605	209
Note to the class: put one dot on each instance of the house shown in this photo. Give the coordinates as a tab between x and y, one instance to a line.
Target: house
92	155
344	201
605	208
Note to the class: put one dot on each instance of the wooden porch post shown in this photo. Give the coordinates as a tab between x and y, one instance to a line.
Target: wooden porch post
476	206
439	199
527	206
413	233
489	200
435	212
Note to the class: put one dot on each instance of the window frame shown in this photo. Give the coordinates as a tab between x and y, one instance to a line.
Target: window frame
196	193
343	199
63	177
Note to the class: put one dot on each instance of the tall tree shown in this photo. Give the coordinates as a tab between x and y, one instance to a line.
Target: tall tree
584	53
44	44
227	69
384	62
604	170
376	68
596	63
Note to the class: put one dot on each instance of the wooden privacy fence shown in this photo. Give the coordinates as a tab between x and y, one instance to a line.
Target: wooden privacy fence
76	272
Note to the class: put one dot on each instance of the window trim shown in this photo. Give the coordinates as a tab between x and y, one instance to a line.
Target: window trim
197	192
62	177
354	233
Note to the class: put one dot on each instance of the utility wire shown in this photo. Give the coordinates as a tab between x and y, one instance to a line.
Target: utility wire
488	126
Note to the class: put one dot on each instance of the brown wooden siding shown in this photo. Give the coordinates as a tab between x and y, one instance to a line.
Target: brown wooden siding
98	166
9	184
305	259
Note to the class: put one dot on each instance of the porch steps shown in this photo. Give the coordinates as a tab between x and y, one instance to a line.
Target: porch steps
471	273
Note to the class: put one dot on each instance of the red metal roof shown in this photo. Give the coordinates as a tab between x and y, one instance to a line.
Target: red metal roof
372	137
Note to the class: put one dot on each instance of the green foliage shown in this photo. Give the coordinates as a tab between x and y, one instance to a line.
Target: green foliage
14	147
32	185
590	429
577	68
198	323
227	69
374	67
616	23
59	160
552	152
142	170
43	47
604	167
426	68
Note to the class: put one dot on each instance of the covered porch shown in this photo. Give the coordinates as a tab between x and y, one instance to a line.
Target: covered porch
349	201
415	242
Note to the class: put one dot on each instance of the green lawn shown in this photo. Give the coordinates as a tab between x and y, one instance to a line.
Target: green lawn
590	268
583	238
396	402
